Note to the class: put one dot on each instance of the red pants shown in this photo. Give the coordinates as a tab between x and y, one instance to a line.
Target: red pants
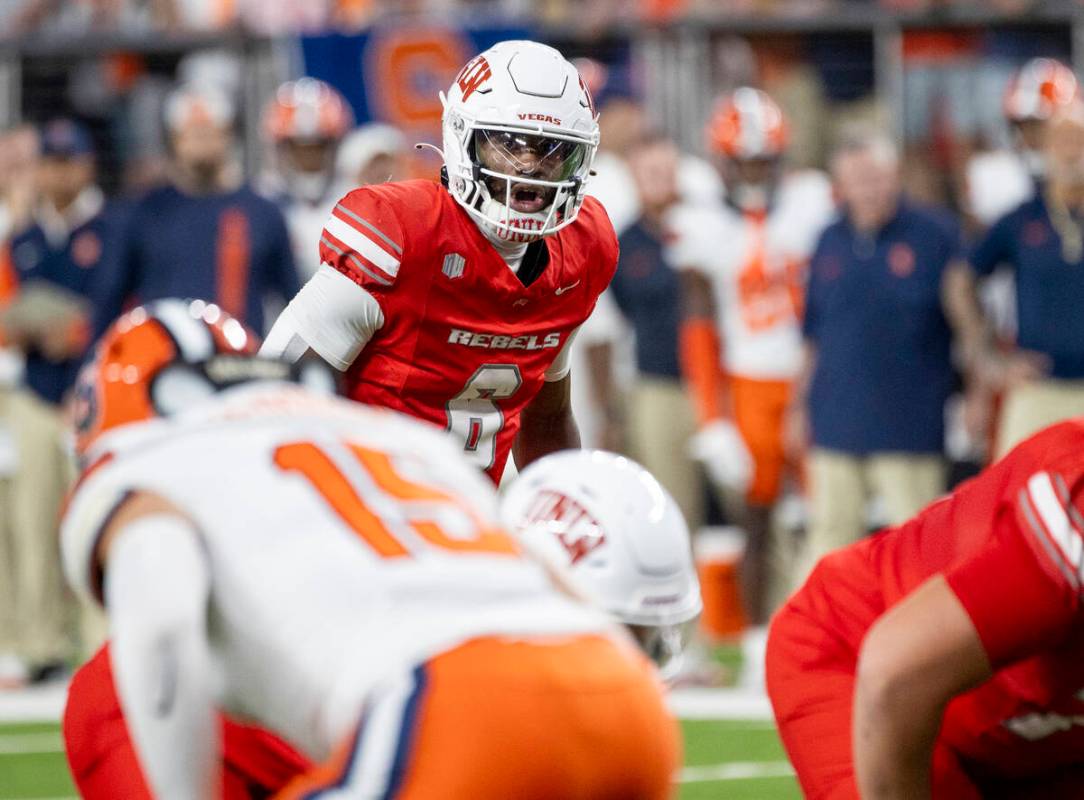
812	657
255	763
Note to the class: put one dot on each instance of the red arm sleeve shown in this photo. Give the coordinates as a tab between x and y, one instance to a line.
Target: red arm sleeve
363	239
1022	591
699	351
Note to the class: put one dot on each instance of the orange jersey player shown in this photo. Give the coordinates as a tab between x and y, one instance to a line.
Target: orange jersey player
336	574
944	657
456	303
743	272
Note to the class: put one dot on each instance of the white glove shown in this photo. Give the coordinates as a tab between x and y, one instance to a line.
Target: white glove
721	449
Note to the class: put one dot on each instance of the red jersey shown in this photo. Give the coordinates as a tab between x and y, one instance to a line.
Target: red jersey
464	343
1010	544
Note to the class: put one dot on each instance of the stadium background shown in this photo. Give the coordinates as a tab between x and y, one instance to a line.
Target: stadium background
930	72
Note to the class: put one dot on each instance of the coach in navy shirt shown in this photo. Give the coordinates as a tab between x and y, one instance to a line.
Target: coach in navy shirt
645	294
207	235
647	291
878	344
72	239
1042	242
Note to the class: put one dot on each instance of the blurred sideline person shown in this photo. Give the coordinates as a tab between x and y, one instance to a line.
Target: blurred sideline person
1043	244
941	658
618	537
207	234
456	302
601	354
305	122
71	236
435	634
742	269
647	294
877	369
999	181
374	153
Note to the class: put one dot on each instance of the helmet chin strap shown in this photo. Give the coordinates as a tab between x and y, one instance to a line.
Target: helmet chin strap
511	249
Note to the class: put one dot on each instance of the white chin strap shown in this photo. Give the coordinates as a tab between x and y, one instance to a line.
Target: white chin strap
517	226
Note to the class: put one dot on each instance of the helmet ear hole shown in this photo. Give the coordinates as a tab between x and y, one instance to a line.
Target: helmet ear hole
177	387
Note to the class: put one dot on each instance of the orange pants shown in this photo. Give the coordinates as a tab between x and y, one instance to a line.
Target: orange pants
580	718
760	408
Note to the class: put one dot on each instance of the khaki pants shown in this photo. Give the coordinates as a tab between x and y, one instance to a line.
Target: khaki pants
35	607
840	485
1033	406
660	424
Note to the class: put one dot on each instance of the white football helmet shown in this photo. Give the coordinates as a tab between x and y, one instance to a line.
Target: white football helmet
617	536
520	133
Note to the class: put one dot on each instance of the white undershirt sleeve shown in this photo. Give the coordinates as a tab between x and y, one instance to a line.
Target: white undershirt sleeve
561	365
157	588
331	315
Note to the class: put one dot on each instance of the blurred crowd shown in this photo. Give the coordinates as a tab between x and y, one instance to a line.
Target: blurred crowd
275	17
815	325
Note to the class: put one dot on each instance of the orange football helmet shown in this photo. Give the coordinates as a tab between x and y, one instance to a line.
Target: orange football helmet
747	124
160	358
1040	88
307	110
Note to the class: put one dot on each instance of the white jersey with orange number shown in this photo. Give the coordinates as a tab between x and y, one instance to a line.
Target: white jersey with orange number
756	265
346	545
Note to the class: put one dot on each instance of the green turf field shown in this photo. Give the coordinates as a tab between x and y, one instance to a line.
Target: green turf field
733	759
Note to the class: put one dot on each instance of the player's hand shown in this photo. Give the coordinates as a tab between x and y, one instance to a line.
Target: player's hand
724	454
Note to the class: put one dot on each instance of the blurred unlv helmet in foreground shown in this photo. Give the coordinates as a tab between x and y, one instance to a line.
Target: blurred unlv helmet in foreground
1040	88
160	359
619	539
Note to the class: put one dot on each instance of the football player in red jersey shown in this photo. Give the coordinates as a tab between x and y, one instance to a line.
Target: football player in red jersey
456	303
451	303
943	658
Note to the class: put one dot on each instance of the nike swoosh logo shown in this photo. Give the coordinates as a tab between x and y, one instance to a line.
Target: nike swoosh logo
560	291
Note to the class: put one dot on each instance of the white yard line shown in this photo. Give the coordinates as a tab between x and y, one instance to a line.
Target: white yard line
36	704
720	704
47	704
30	744
736	771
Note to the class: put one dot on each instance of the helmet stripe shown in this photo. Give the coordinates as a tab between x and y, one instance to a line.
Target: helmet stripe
192	335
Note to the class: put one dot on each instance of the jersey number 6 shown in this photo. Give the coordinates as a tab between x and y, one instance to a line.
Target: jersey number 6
474	417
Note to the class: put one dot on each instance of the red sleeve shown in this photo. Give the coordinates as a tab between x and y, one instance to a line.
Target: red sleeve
363	238
608	247
1022	591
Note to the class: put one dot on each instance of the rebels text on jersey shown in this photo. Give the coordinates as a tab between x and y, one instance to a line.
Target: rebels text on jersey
463	342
